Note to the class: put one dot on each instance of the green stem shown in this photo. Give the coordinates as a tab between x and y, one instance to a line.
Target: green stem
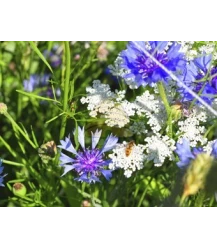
19	129
92	196
12	163
167	107
66	88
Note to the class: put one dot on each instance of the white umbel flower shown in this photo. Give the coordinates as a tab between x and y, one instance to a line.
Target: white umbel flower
116	116
151	107
159	148
208	147
191	127
131	163
116	69
112	106
187	48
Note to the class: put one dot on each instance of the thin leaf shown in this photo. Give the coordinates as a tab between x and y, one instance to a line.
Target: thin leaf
41	56
36	96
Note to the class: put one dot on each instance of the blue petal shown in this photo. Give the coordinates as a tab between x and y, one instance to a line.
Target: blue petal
184	152
214	149
95	138
81	137
67	168
203	62
67	145
84	178
109	144
197	150
107	174
158	45
65	159
1	180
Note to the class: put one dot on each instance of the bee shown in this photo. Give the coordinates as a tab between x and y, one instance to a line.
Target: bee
129	148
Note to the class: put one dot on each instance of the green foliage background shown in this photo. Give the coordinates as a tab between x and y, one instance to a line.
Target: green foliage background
41	121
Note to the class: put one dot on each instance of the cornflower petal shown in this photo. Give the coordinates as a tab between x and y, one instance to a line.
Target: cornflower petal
95	138
184	152
107	174
66	159
214	149
67	145
1	177
109	144
203	62
84	178
81	137
67	168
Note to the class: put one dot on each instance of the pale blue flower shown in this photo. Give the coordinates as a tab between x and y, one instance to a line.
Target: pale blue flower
89	163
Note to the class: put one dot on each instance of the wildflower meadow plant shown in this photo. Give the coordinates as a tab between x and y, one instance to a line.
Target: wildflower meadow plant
142	135
89	163
138	69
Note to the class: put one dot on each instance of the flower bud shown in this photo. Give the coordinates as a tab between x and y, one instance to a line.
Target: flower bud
19	189
176	111
196	174
47	151
3	108
86	203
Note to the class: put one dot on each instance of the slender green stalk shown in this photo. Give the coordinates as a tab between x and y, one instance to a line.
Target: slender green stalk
167	107
66	88
92	196
144	193
12	163
19	129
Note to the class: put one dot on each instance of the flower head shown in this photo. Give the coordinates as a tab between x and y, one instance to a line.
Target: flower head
197	78
89	163
139	69
1	176
3	108
198	164
130	163
36	81
54	56
187	155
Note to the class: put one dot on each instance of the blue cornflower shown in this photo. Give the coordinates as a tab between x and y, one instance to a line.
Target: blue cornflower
40	82
54	56
36	81
1	170
186	155
139	69
88	163
197	76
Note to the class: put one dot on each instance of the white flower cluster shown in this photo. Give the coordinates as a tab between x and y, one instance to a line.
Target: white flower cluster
134	161
110	105
208	147
209	48
117	71
151	107
159	148
191	127
187	49
191	53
